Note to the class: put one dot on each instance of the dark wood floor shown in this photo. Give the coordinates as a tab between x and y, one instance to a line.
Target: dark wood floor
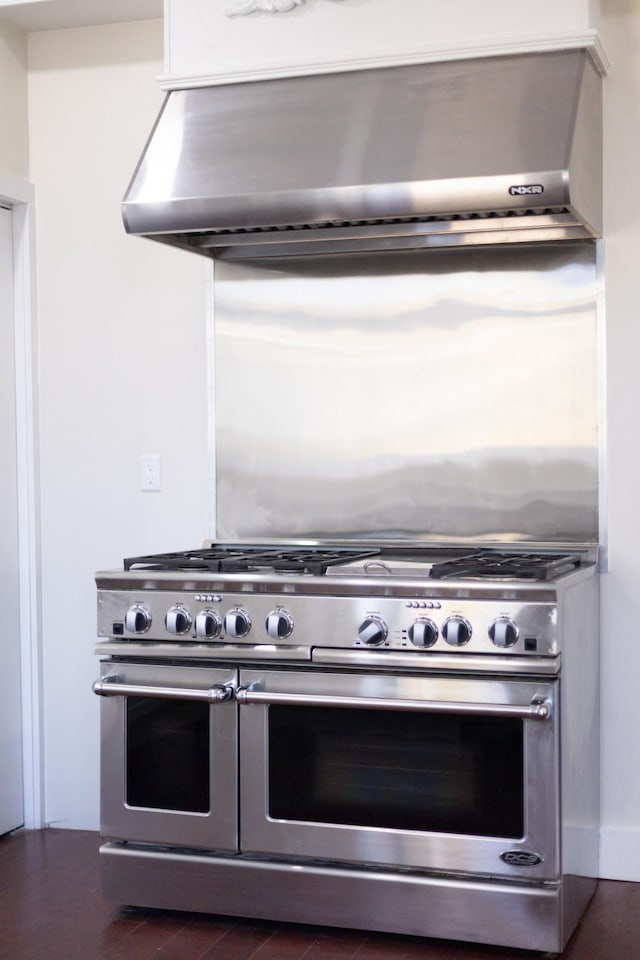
51	909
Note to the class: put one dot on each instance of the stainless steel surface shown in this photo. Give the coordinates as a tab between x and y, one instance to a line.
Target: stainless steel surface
538	709
370	387
471	855
334	621
529	891
349	582
536	228
580	731
326	656
287	159
438	663
216	829
113	687
447	396
511	915
159	649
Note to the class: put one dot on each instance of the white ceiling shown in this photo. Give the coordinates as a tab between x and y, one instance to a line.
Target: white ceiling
58	14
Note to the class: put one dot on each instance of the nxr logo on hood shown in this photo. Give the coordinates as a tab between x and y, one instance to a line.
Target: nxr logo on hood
526	189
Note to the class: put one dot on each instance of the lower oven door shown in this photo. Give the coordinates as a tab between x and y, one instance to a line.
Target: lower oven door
431	773
169	755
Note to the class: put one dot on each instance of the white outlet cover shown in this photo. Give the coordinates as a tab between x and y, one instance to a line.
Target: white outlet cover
150	473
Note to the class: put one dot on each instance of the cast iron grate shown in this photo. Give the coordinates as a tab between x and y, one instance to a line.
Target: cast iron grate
228	558
487	564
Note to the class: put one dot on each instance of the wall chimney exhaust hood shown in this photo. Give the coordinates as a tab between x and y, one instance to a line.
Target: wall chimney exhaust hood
483	151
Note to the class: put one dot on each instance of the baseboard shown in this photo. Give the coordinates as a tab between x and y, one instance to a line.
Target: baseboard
619	854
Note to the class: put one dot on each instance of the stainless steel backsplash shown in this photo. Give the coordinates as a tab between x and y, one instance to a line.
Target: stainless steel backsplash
449	395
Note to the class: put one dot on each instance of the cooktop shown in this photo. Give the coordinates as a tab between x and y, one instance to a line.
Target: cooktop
315	560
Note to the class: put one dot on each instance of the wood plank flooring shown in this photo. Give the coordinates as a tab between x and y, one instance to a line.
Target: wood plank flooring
51	908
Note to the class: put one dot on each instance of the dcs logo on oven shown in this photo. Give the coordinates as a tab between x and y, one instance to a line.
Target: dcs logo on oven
520	858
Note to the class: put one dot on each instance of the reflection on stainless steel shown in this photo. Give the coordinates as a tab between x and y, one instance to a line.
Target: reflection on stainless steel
442	850
474	151
144	684
443	395
526	917
111	687
330	744
538	709
358	717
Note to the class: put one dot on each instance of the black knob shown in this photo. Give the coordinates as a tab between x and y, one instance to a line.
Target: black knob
137	619
237	623
208	624
423	633
177	619
372	631
279	624
503	632
456	631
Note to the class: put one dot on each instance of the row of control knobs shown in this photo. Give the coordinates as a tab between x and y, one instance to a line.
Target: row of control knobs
456	631
208	624
236	623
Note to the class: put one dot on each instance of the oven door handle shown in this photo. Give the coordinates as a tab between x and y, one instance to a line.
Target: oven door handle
540	708
112	687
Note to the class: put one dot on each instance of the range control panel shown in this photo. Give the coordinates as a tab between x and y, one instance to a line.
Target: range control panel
411	624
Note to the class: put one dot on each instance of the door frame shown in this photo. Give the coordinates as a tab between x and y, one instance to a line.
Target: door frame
19	196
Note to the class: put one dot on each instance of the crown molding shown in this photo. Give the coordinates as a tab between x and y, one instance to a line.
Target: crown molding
588	41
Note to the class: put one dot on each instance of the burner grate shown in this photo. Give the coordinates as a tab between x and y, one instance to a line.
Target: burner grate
486	564
225	558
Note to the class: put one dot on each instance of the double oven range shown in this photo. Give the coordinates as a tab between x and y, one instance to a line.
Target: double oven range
386	736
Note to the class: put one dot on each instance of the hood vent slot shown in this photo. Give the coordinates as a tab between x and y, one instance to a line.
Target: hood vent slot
333	224
428	155
514	226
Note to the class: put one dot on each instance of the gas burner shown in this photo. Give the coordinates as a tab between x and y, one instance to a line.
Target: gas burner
487	564
229	558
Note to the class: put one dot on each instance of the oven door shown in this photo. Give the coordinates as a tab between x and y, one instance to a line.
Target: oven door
169	755
430	773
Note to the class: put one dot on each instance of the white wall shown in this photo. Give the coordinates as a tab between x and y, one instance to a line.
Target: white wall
14	143
122	370
620	848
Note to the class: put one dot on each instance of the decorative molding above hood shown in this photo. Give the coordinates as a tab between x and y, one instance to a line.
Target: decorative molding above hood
242	8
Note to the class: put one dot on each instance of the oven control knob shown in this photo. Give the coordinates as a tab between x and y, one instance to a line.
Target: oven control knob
503	632
423	633
456	631
137	619
372	631
237	623
177	619
208	624
279	624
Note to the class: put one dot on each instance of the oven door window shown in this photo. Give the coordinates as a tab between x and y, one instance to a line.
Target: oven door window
167	755
453	774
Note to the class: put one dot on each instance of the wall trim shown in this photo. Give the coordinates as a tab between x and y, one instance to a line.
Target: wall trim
211	400
620	854
601	335
19	195
589	41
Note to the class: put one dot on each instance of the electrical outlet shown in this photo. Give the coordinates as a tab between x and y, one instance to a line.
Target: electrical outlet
150	473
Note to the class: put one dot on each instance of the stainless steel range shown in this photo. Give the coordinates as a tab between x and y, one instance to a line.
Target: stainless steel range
400	737
384	713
